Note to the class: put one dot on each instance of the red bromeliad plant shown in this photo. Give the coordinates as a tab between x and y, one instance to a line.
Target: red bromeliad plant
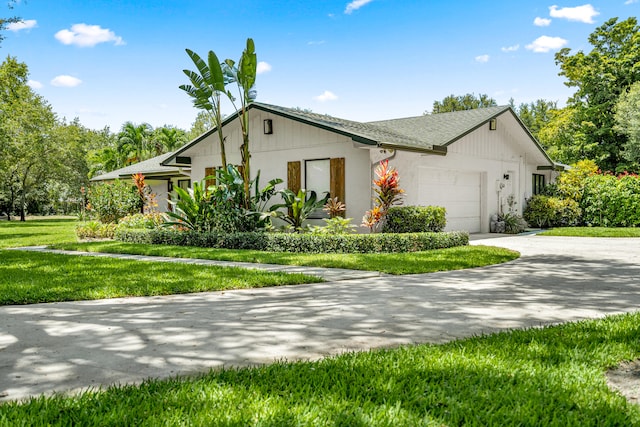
144	192
388	193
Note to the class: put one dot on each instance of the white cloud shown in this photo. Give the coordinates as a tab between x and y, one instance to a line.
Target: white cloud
34	84
584	13
315	43
631	1
355	5
510	48
22	25
482	58
84	35
263	67
326	96
66	81
542	22
544	44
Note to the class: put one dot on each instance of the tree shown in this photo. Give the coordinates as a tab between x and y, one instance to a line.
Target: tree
28	153
133	140
463	102
600	77
536	115
244	75
627	122
206	88
202	124
6	21
169	138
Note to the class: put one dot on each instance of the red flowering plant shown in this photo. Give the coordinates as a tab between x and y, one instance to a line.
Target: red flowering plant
147	198
387	193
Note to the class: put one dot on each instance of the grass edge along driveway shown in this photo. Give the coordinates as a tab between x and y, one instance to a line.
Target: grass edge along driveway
542	376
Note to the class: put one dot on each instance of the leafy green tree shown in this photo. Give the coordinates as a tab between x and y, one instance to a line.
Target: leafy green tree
170	138
600	77
133	139
627	118
536	115
201	124
6	21
28	153
462	102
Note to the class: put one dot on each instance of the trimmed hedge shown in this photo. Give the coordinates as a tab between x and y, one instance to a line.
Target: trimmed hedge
547	211
301	243
415	219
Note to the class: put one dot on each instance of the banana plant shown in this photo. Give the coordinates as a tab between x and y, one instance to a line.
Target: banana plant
207	86
244	75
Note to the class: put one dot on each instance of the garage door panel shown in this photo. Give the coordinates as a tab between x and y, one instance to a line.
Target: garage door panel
459	192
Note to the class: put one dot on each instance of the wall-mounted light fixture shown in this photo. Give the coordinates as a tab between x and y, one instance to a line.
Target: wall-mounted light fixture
493	124
268	126
505	177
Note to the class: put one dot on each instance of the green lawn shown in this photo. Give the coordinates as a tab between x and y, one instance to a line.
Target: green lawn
404	263
592	232
36	232
544	377
27	277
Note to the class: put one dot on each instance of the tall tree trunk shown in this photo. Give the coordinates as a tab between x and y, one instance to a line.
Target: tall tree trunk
22	203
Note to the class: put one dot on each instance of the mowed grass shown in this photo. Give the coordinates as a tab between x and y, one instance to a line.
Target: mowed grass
27	278
398	263
36	232
552	376
593	232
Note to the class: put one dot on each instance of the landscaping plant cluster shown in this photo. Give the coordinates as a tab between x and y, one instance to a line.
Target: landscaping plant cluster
217	216
587	196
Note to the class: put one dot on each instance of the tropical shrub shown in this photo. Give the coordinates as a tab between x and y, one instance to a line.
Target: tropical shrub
301	242
513	223
570	183
415	219
388	193
548	211
142	221
335	225
298	207
111	201
96	230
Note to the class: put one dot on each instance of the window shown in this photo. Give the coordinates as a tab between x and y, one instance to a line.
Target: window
321	176
184	184
318	178
538	183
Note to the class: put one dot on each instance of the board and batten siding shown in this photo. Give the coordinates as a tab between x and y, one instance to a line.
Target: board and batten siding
292	141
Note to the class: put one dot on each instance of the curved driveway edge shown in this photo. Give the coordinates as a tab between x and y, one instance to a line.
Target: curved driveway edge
75	345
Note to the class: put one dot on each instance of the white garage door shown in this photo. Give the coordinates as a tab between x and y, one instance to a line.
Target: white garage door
458	192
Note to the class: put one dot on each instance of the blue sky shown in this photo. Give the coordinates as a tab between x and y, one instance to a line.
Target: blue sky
108	62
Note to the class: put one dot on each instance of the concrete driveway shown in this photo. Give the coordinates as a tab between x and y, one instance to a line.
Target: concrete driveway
75	345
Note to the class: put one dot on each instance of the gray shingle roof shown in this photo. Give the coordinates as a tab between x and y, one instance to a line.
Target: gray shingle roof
147	167
442	128
366	133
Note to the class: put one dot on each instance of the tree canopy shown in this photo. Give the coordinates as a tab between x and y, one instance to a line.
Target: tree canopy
462	102
600	77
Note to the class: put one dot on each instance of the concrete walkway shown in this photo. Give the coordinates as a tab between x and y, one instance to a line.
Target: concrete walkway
75	345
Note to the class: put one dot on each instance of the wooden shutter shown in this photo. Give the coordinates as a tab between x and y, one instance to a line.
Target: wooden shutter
337	187
294	176
210	172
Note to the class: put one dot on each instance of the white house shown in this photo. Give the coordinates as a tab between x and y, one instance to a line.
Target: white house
161	179
470	162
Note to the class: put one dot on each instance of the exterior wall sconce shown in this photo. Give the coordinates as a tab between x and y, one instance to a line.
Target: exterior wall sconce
268	126
493	124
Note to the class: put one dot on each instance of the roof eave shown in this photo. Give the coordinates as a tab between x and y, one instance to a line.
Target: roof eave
432	149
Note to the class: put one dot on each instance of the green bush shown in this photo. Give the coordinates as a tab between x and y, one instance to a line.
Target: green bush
111	201
142	221
547	211
96	230
415	219
301	243
513	223
610	201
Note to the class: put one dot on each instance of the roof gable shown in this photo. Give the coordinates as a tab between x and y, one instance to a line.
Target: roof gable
152	166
